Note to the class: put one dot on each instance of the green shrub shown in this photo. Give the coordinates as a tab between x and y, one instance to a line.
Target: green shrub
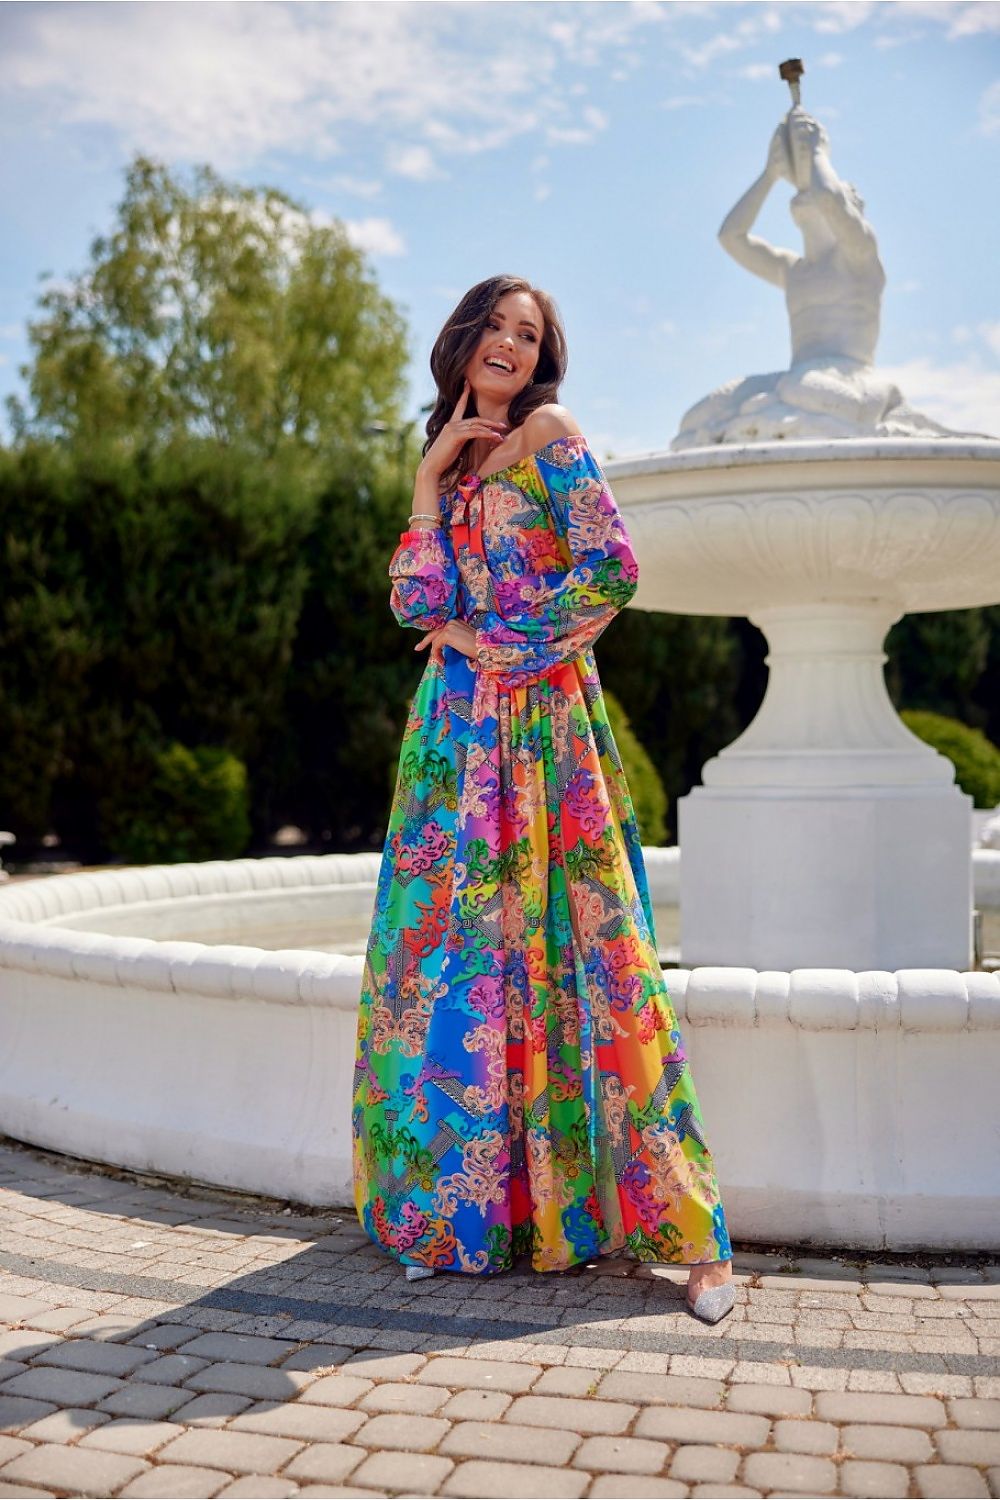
192	805
648	797
975	758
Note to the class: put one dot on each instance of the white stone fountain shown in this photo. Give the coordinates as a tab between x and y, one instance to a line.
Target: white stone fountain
816	502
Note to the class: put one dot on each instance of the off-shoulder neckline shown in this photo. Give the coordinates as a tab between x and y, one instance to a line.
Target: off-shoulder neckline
485	478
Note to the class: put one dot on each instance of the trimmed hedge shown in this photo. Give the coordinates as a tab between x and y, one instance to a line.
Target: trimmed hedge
975	758
148	601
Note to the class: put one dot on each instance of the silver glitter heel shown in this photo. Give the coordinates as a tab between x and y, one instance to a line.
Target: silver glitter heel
417	1273
714	1303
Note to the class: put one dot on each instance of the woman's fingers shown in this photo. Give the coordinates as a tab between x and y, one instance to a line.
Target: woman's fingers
462	402
482	427
456	633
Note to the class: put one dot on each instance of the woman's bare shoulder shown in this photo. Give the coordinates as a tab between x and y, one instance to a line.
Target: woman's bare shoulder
546	423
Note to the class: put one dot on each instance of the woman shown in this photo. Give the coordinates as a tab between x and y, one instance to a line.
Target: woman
520	1082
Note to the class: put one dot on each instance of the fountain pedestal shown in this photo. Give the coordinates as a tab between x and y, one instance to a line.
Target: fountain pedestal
827	817
827	835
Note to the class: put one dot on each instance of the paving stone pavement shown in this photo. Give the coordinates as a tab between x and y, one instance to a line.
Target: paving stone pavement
163	1343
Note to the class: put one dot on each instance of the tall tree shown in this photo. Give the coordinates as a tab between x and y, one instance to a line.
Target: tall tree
218	311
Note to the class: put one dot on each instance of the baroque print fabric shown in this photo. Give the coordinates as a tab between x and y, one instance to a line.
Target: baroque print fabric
520	1082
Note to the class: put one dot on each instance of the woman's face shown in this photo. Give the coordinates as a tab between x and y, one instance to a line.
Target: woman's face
505	358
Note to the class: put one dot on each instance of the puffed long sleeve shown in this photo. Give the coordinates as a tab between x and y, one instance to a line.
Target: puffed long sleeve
424	580
545	618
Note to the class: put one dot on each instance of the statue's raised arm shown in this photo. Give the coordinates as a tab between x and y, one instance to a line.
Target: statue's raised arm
749	250
839	202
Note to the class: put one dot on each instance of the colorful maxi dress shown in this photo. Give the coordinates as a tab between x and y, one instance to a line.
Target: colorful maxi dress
521	1083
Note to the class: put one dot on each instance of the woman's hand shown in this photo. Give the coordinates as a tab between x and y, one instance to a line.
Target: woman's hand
456	633
454	435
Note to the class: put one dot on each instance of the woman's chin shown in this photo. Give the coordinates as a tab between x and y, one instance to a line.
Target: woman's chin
496	390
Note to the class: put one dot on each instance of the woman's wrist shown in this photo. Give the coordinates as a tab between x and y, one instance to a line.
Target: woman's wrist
425	509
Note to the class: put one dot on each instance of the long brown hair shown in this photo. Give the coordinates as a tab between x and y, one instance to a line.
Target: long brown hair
456	344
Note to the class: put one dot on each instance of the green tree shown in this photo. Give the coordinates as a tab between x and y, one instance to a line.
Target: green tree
217	311
936	660
987	694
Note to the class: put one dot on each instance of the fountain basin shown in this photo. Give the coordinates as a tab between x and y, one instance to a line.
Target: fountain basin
827	833
731	530
231	1064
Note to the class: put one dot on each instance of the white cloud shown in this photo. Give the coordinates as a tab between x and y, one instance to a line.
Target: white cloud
241	82
989	110
887	40
569	135
415	162
358	187
720	336
964	396
833	17
973	19
245	82
700	57
682	101
375	236
989	333
460	139
824	16
592	122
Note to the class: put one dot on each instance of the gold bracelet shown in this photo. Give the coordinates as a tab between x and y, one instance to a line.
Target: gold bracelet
420	515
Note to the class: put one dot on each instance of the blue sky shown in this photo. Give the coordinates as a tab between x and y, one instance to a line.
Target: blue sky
594	148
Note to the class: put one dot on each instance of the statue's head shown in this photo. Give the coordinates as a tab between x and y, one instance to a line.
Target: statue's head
806	138
806	129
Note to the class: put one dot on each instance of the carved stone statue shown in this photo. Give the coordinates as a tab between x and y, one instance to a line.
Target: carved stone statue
833	292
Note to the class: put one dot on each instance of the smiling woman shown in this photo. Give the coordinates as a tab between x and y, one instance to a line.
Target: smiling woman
511	334
521	1080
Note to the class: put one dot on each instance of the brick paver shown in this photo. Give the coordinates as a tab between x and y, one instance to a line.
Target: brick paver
73	1469
167	1345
